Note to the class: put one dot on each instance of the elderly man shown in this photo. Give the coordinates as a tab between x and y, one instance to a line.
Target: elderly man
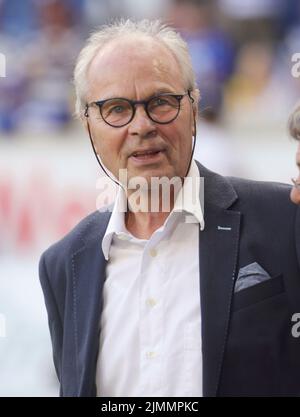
194	300
294	128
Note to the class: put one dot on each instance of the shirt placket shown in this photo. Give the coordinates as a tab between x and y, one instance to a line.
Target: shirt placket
151	318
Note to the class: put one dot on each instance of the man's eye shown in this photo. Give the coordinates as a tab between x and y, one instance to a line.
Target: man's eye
160	102
117	109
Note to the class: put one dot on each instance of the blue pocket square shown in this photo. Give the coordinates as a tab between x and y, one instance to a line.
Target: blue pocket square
250	275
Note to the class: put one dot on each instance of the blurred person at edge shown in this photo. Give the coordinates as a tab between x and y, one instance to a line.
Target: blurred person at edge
254	20
294	129
211	50
259	72
48	62
195	300
212	55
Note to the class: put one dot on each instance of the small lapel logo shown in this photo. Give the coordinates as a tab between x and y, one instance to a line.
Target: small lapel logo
224	228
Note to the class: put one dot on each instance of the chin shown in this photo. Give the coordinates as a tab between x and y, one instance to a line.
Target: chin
149	172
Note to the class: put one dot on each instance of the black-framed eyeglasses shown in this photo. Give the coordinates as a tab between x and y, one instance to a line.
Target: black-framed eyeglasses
118	112
296	183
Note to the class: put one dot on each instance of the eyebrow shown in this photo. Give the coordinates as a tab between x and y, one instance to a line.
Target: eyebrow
162	91
158	92
154	94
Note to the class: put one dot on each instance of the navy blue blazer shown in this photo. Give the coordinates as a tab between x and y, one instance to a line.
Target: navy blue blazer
247	342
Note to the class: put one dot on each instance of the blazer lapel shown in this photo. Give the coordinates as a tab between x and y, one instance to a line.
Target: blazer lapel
218	251
88	273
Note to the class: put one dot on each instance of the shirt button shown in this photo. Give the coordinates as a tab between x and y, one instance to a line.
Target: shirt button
153	252
151	355
151	302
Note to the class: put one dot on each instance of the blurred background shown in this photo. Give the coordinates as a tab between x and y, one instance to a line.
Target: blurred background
242	54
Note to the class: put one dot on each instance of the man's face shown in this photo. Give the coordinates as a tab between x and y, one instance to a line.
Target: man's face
295	193
138	70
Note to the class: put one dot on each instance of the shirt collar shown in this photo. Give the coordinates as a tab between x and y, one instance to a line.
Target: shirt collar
187	200
116	224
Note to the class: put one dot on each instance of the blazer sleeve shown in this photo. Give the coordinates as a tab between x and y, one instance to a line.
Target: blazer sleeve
54	320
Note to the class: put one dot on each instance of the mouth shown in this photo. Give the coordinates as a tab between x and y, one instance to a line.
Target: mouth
147	155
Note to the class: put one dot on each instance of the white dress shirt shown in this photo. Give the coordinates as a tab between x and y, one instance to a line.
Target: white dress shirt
150	338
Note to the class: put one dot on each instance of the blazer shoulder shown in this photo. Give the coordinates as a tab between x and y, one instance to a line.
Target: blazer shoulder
246	188
228	191
243	185
274	196
87	230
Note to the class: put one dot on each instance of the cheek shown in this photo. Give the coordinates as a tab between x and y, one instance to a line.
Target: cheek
180	137
295	196
108	146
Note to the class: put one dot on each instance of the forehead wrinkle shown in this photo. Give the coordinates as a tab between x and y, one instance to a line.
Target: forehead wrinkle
133	61
109	61
159	67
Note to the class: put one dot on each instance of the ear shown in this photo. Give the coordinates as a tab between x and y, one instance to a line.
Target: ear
193	127
84	120
195	106
95	146
196	96
84	123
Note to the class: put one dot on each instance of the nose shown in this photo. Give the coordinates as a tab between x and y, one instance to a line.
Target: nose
141	124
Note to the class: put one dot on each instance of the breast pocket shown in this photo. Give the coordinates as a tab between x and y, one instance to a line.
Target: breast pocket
258	293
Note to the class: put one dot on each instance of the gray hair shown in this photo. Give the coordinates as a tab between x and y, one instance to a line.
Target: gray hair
153	29
294	123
